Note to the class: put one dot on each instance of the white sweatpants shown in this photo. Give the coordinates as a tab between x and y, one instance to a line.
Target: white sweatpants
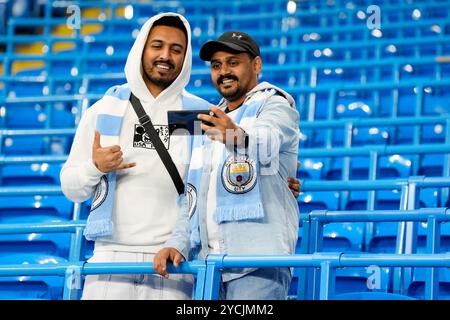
135	286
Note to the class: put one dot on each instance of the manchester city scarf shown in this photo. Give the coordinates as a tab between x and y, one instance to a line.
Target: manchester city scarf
109	122
238	192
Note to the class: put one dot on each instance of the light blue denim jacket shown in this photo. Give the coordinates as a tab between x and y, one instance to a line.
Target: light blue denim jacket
277	231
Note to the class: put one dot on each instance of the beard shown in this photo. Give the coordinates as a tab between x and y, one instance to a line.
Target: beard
230	95
158	81
152	75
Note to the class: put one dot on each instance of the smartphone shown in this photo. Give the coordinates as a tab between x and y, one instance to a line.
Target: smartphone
187	121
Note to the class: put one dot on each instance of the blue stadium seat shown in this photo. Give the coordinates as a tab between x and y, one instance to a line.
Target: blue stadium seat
31	174
343	237
390	167
371	296
318	200
310	169
35	208
54	244
23	116
407	101
34	145
385	200
385	236
104	66
416	288
436	100
100	86
339	75
371	136
354	105
31	287
432	165
430	198
434	133
355	279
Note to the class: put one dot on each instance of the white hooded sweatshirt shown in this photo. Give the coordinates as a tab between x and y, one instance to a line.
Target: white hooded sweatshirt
145	204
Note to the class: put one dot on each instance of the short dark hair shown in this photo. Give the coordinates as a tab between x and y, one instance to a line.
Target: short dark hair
171	21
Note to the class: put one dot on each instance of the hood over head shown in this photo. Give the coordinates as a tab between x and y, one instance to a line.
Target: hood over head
134	69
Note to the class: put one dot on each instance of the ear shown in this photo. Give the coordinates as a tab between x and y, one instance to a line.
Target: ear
257	64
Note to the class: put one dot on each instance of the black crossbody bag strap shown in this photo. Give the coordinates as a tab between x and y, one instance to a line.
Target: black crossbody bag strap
145	121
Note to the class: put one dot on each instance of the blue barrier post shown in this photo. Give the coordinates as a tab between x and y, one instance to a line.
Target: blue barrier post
446	166
313	275
373	172
201	278
72	284
433	246
305	249
411	226
327	280
214	265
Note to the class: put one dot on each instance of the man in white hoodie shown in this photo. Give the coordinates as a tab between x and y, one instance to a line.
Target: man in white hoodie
122	163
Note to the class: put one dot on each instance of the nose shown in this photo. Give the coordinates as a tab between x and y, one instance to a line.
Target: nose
164	54
224	69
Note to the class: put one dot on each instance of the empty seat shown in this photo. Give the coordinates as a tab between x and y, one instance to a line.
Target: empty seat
317	200
310	169
356	279
390	167
436	100
431	165
385	237
371	296
343	237
31	287
31	174
35	208
416	288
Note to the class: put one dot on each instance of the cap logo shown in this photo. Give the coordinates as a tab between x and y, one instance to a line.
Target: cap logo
239	36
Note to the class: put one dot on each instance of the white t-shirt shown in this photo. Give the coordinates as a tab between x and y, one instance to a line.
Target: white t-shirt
211	226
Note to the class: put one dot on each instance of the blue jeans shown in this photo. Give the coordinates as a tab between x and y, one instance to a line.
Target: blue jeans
261	284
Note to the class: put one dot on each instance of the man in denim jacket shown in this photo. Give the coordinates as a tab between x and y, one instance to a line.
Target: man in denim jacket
237	199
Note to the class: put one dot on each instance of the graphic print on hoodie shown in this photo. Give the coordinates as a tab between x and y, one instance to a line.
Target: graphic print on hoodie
142	140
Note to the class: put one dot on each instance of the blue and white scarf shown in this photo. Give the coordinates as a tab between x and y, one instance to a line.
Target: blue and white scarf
232	203
109	123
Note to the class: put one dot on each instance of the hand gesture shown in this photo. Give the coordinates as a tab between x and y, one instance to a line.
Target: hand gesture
108	159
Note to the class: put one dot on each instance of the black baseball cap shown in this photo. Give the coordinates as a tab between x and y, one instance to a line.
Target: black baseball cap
230	41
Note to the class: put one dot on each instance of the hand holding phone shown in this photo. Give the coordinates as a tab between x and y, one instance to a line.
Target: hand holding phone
225	129
185	122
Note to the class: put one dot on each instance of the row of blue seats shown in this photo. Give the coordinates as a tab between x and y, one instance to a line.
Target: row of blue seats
275	69
352	284
348	280
28	116
38	248
363	103
275	52
332	18
389	167
338	236
319	168
207	26
310	138
242	11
